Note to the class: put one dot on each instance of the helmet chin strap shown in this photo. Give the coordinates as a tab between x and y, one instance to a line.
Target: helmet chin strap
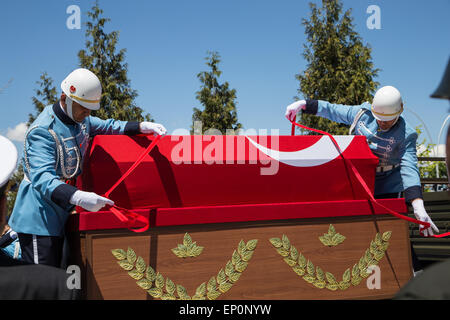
69	108
396	119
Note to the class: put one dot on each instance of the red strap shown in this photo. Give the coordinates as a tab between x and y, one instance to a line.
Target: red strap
125	215
425	225
135	164
130	218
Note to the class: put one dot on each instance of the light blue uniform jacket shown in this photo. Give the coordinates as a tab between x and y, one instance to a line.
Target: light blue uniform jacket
53	151
397	146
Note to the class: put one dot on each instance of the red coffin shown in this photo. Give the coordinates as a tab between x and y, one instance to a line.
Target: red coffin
190	171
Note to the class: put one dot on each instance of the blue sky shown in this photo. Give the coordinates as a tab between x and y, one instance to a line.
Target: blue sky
260	42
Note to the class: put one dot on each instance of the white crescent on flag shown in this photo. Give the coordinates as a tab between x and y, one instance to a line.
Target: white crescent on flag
321	152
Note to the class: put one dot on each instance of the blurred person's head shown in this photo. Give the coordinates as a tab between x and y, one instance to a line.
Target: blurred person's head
443	90
8	163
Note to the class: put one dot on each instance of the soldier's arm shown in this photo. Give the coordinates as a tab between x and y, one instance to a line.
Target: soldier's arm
409	170
111	126
334	112
40	167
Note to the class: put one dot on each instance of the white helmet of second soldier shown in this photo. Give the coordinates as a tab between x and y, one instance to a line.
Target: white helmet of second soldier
387	104
83	87
8	160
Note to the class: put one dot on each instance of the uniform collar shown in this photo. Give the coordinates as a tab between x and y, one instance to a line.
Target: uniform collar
62	115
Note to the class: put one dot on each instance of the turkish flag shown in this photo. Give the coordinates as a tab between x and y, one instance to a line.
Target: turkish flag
189	171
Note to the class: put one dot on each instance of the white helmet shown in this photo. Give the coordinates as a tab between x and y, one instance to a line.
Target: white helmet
83	86
8	160
387	104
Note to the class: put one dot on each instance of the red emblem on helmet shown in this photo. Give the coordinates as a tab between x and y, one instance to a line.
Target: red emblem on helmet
72	89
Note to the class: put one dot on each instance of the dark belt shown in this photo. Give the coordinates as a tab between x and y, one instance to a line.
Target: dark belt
387	168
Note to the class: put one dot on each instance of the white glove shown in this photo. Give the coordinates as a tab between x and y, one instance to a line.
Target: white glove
89	200
294	108
151	127
421	215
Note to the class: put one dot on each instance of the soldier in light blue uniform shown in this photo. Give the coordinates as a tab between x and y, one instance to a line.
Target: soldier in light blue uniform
396	148
389	137
54	147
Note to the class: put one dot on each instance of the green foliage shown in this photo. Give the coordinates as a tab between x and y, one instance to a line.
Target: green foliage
45	95
218	100
429	169
101	58
339	67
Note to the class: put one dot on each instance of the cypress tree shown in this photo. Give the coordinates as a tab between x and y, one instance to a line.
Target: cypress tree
217	99
339	66
102	58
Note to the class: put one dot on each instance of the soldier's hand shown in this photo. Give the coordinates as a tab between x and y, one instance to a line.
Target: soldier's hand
90	201
294	108
151	127
421	214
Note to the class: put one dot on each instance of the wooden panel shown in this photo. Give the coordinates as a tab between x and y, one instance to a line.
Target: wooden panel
267	275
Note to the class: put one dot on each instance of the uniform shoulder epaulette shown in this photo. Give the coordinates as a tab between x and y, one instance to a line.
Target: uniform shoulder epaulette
45	119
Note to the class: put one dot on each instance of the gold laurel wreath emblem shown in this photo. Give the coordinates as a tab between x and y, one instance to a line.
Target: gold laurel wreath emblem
331	238
320	279
188	248
164	288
